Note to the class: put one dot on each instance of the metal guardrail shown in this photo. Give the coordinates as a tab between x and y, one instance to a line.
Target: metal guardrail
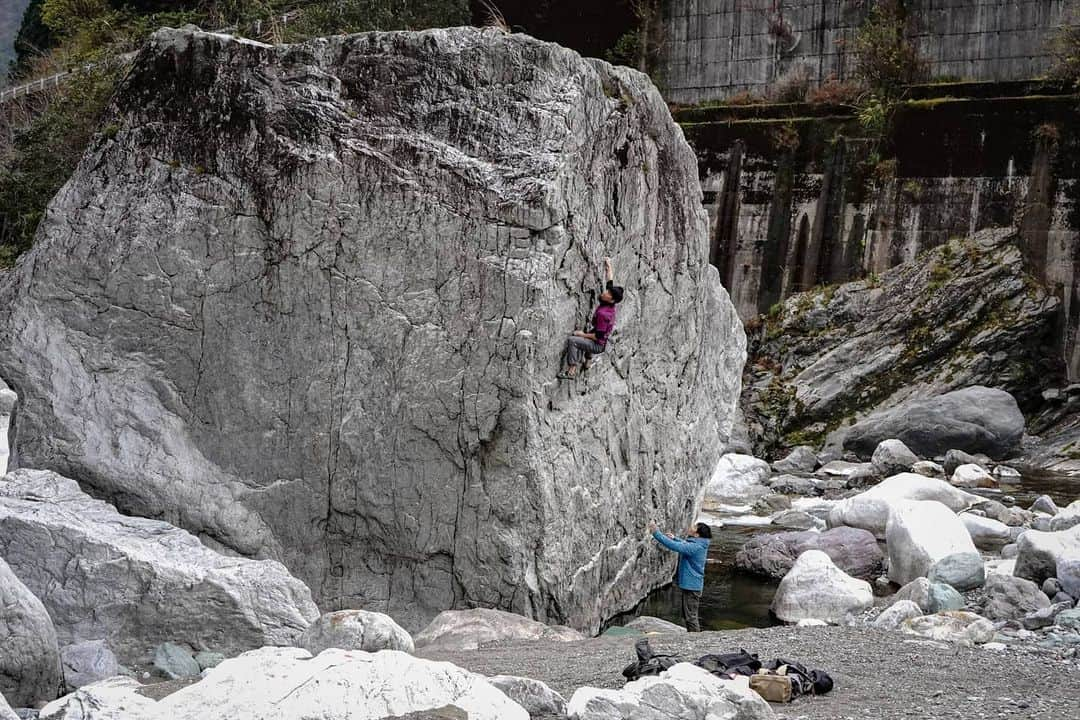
54	81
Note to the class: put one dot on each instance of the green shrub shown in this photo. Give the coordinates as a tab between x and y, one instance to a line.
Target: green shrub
885	59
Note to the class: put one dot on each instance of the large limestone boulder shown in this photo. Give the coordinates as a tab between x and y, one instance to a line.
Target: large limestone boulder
335	685
355	630
918	534
7	405
1038	553
1011	598
470	629
6	713
975	419
328	331
139	582
854	551
683	692
816	588
870	509
29	654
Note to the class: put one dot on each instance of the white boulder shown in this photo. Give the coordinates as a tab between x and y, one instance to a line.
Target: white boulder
140	582
1038	553
1067	517
471	629
869	509
7	405
335	685
355	630
958	626
918	534
735	475
114	698
986	533
972	476
815	588
683	692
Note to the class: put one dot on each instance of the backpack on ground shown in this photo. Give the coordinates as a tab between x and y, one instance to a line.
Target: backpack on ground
773	688
647	663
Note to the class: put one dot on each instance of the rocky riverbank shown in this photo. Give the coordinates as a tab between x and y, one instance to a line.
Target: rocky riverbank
878	674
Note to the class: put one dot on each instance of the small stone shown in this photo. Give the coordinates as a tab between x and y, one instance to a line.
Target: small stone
801	459
1009	551
1069	619
928	468
956	458
892	616
995	647
208	659
811	622
175	662
1051	587
1007	474
893	456
1044	617
88	662
972	476
1063	597
944	597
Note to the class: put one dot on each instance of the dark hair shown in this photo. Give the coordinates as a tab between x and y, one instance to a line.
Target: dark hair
704	531
616	294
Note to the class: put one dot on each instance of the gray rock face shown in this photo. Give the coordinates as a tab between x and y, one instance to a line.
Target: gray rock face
328	331
1011	598
845	352
88	662
355	630
29	655
854	551
152	583
470	629
976	419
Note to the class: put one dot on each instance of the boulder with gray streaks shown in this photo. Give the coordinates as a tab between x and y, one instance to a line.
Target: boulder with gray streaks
892	456
536	697
355	630
1011	598
6	713
470	629
920	533
870	509
88	662
29	654
1066	517
1038	553
892	616
115	698
329	330
139	582
816	588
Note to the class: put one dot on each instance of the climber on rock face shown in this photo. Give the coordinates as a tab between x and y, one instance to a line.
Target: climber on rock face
582	345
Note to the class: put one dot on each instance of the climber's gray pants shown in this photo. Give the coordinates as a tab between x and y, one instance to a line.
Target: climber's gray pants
576	347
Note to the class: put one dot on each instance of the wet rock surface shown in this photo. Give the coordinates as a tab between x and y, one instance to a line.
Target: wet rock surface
328	331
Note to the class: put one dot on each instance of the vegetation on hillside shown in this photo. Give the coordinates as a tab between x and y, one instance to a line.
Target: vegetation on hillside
36	160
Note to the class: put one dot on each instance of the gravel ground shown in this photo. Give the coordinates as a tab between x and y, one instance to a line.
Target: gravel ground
878	675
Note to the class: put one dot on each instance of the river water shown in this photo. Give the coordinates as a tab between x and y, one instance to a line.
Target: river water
732	599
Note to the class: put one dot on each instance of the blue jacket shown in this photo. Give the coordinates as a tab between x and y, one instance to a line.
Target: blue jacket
692	552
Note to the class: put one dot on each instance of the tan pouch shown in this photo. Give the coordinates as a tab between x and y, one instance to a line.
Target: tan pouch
774	688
